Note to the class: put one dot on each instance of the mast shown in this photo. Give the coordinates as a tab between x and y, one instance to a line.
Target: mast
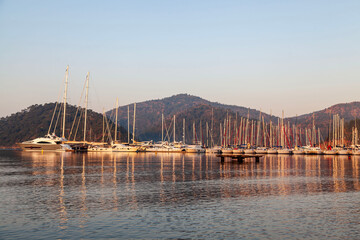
103	133
134	123
194	133
174	129
162	127
116	117
65	95
86	103
183	130
128	124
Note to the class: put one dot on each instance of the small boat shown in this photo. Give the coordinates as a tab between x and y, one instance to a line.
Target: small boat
237	151
271	151
330	152
284	151
226	150
249	151
298	151
261	150
215	149
119	147
194	149
343	151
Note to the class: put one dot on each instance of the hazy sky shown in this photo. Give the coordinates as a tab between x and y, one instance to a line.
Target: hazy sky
299	56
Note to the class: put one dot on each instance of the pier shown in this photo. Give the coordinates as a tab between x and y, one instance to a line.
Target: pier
239	157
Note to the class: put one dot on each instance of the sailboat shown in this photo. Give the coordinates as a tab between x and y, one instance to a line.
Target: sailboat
50	142
121	147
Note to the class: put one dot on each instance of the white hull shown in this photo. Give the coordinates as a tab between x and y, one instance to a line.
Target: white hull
330	152
261	151
226	151
47	143
284	151
355	152
249	151
194	149
237	151
271	151
298	152
343	152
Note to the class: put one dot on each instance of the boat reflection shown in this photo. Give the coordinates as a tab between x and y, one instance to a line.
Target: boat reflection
114	181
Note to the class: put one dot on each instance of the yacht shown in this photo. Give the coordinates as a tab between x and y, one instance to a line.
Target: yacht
49	142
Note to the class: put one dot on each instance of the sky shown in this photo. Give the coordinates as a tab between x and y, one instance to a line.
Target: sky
297	56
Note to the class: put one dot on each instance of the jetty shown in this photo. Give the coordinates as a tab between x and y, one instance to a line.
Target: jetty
239	157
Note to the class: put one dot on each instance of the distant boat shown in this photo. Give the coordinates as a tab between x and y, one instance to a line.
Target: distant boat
298	151
260	150
119	147
272	151
226	150
50	142
284	151
249	151
194	149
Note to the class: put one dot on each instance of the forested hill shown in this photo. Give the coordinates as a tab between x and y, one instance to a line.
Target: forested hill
322	118
34	122
148	113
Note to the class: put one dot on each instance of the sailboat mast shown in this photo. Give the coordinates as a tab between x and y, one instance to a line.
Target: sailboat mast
86	103
174	129
162	127
103	131
134	123
183	130
128	123
65	96
116	117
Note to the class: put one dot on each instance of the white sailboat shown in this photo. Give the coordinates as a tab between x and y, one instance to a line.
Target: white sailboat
121	147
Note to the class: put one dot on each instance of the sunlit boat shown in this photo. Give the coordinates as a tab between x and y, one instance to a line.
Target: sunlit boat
330	151
237	151
119	147
194	149
343	151
298	151
46	143
271	151
249	151
312	150
215	149
226	150
261	150
284	151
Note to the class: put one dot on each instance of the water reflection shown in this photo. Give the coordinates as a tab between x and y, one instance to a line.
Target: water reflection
133	180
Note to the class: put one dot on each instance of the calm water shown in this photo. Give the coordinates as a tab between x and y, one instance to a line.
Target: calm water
93	195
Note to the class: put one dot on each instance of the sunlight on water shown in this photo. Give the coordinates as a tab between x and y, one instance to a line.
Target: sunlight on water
148	195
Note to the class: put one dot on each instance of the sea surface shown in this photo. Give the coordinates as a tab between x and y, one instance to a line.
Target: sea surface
187	196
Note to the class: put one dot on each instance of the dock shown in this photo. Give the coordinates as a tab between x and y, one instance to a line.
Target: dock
239	157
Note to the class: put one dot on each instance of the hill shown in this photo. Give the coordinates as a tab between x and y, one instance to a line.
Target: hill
34	122
148	113
322	118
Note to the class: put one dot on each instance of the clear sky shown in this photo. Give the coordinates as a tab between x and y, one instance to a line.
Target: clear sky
296	56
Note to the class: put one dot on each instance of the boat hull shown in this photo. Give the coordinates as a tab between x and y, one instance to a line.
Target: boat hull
41	147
